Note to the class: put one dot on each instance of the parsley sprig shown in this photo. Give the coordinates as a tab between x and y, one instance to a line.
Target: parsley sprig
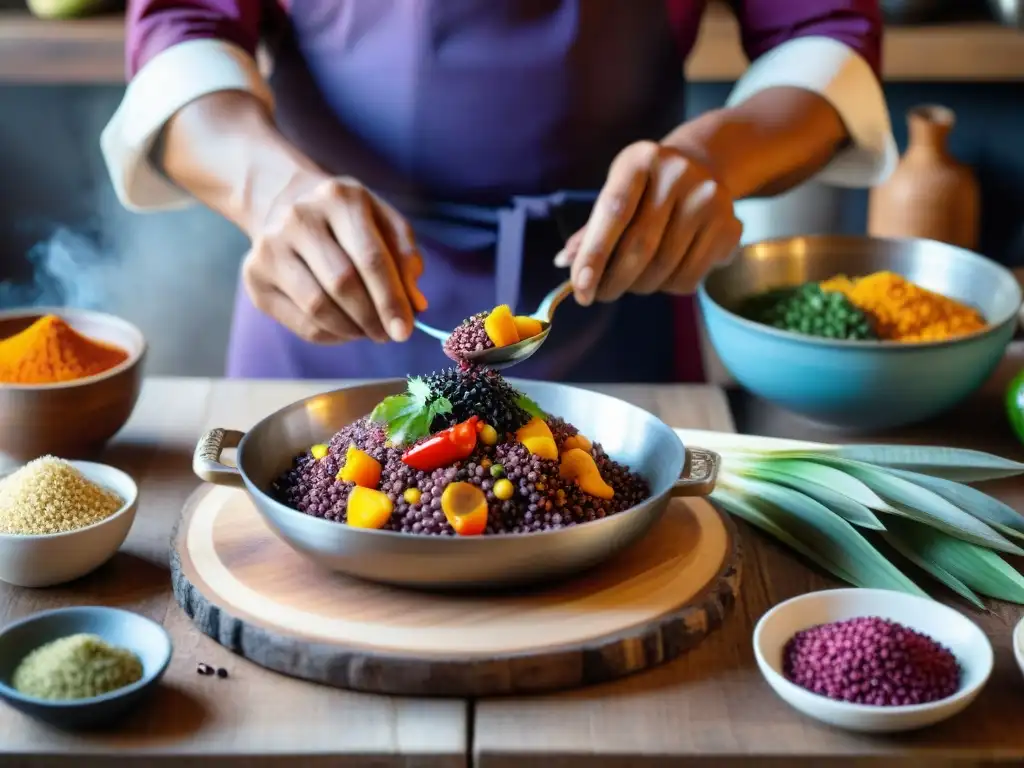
407	417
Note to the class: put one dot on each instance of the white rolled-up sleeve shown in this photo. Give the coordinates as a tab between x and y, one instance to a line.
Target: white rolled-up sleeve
169	81
844	78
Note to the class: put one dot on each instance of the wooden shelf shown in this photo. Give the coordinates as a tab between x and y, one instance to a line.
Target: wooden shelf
92	51
89	51
974	51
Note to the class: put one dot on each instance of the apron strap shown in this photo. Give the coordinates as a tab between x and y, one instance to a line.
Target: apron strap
476	227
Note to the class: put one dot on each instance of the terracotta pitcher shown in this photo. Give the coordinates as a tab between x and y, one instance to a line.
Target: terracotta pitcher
929	194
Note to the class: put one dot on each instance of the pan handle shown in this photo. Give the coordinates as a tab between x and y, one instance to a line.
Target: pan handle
206	461
700	473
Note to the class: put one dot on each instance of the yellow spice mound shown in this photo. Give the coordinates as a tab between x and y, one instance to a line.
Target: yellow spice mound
904	311
49	495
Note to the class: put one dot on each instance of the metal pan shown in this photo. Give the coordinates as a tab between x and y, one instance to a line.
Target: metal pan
628	433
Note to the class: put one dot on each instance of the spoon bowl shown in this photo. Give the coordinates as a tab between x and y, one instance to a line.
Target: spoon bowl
498	358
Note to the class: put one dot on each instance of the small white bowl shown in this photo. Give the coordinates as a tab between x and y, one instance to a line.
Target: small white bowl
960	635
46	560
1018	644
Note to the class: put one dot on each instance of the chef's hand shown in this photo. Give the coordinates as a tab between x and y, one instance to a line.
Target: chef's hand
333	263
659	224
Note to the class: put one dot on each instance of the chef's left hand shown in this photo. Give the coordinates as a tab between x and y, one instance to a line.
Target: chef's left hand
659	224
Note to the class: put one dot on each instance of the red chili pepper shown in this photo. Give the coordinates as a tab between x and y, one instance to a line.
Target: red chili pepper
444	448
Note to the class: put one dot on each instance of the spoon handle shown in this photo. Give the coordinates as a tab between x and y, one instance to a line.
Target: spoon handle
431	331
547	308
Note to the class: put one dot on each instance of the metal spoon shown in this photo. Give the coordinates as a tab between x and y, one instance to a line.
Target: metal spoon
505	357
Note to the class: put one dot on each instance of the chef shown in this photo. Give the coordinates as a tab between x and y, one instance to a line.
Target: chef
434	158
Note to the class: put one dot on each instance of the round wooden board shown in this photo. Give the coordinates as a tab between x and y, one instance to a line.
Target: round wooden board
247	589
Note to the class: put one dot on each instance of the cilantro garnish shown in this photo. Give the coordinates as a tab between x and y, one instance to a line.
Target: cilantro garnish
407	417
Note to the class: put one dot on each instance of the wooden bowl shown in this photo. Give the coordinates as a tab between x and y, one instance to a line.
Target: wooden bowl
76	418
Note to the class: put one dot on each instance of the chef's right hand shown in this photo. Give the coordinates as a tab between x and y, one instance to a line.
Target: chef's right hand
333	263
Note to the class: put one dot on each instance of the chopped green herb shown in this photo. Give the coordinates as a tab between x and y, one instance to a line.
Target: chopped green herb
530	406
407	417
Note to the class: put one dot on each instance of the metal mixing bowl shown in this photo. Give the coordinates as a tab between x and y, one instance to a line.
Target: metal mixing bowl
865	385
629	434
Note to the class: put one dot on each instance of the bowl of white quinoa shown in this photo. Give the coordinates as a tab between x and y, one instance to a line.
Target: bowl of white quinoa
60	520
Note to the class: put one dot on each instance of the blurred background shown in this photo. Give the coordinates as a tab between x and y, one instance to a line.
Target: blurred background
64	239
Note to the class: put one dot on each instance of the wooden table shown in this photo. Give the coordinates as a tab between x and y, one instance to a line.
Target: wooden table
709	708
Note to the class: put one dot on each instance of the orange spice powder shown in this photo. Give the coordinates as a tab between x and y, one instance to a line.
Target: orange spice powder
51	351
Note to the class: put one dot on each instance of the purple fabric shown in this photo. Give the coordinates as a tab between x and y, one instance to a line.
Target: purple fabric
495	104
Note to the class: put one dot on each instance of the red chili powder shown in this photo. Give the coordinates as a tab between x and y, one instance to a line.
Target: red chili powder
871	661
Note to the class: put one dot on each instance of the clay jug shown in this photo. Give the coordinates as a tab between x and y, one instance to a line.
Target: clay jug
930	194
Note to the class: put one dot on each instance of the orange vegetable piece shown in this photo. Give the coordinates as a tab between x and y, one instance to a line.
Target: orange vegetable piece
541	446
577	441
360	468
536	436
368	508
527	326
465	507
579	466
500	326
535	427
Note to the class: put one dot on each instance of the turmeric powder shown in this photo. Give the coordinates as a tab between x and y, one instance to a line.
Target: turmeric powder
51	351
904	311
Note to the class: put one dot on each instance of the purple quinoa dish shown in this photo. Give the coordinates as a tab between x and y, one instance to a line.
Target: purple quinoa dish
470	336
460	452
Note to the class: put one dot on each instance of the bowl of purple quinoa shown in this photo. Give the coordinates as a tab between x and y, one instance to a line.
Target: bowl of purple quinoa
872	660
459	479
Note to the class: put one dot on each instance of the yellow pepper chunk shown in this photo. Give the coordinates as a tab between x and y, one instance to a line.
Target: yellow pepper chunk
577	441
578	465
527	326
537	437
542	446
360	468
368	508
319	451
500	326
412	495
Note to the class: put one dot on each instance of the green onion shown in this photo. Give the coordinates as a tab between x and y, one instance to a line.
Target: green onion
834	503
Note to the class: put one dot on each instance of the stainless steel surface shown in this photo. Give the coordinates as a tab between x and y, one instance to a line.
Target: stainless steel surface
629	434
1008	12
946	269
505	357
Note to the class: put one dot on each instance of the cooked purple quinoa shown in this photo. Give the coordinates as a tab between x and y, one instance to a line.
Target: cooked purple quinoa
542	500
469	337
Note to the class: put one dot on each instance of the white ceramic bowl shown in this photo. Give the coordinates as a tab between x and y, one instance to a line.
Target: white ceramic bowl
50	559
1018	644
946	626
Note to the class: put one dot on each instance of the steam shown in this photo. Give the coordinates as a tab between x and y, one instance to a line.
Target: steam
68	270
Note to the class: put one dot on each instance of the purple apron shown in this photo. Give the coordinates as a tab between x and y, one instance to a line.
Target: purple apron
474	119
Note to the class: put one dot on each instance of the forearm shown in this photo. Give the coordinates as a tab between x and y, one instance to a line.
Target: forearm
766	145
225	150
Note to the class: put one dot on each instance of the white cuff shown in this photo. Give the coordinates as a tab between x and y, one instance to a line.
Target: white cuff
839	74
172	79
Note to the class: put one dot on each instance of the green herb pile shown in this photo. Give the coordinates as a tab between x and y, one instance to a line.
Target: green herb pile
811	311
